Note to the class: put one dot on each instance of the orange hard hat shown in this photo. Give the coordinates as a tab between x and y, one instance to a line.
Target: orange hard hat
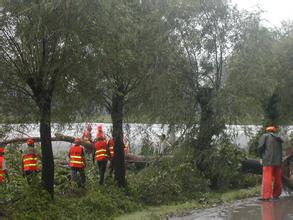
30	141
77	140
271	129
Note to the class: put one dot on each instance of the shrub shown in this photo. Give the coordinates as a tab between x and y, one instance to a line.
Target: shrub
166	180
22	201
222	164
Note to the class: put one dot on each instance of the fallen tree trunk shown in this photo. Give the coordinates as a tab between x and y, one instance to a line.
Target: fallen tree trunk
129	158
58	137
251	166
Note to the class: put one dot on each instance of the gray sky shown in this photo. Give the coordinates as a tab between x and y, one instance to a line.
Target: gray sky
274	10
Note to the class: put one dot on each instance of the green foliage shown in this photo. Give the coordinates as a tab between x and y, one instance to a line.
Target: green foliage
22	201
164	181
147	149
34	202
222	164
260	74
253	143
167	180
33	62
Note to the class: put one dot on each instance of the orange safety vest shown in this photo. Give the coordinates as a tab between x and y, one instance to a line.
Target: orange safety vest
76	157
111	147
101	150
30	162
86	135
2	173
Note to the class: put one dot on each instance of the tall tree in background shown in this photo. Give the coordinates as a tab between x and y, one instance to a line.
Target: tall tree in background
253	74
284	74
39	47
205	32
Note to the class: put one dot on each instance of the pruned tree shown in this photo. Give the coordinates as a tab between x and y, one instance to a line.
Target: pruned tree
124	56
205	33
40	51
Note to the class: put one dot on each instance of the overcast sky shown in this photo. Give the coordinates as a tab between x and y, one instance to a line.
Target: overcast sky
274	10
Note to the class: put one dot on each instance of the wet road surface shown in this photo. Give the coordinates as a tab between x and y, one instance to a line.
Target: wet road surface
250	209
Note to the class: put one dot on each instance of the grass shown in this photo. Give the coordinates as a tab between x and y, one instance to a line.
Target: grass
179	209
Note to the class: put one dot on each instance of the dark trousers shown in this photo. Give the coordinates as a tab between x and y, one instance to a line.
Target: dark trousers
30	176
81	181
111	167
102	164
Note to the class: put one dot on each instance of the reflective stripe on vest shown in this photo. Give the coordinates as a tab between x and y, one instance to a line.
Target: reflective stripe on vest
112	151
111	148
1	169
101	152
30	162
76	158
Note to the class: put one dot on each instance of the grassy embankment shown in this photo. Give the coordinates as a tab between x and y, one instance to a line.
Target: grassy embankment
108	203
210	199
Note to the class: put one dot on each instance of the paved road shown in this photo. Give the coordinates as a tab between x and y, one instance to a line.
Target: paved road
250	209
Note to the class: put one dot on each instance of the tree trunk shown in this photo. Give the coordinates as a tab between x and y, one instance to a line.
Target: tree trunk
46	146
117	120
271	110
210	123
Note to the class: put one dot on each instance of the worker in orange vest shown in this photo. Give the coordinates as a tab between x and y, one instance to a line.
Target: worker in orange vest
111	147
270	152
111	144
112	154
87	134
101	155
77	162
100	131
30	159
3	169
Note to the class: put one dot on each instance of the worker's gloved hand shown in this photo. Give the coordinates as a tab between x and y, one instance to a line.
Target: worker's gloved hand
260	161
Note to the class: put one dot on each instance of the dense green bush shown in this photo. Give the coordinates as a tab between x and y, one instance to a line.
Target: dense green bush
22	201
165	180
253	143
94	202
168	180
147	148
222	164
